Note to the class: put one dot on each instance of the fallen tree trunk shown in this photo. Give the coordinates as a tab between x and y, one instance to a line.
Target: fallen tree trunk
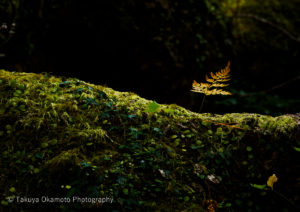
68	144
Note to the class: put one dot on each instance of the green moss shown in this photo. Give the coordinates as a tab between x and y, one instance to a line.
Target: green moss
101	142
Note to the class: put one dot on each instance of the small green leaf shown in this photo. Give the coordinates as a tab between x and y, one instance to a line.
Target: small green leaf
85	164
177	141
125	191
39	155
194	146
158	181
297	149
186	198
152	107
261	187
249	148
186	131
3	202
190	135
12	189
198	142
53	142
22	108
157	130
17	92
89	144
44	145
68	186
227	205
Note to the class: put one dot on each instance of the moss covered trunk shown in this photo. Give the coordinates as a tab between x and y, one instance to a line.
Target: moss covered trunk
68	145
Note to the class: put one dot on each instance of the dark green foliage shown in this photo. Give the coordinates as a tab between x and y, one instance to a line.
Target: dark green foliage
167	158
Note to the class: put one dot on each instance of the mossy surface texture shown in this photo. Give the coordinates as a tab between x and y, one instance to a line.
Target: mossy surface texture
62	137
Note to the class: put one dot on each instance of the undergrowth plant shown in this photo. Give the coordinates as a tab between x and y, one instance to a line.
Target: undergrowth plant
213	85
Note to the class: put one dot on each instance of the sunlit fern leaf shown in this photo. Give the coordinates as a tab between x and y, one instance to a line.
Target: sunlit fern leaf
195	84
214	77
200	90
224	80
208	79
224	72
218	92
219	85
200	87
201	84
225	92
211	84
220	76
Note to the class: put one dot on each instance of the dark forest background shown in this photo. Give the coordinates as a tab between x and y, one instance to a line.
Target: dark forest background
156	48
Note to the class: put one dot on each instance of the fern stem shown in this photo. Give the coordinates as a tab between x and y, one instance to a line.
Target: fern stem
202	103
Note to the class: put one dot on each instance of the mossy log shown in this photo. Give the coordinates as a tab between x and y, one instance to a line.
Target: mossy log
66	144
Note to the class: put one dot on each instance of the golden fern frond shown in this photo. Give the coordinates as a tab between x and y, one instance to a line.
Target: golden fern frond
224	72
221	76
208	79
195	83
214	77
201	87
216	81
222	92
201	84
216	91
219	85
